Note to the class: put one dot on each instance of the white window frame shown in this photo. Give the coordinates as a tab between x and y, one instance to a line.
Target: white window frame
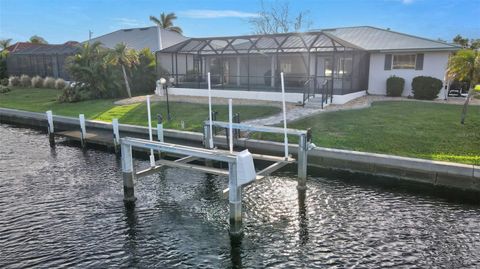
405	54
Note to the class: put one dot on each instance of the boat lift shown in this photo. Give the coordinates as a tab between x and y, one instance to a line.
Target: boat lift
241	170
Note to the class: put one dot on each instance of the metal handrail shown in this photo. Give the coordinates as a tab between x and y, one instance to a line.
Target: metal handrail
306	90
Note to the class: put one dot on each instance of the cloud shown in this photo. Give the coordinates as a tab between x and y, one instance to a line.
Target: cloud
213	14
126	22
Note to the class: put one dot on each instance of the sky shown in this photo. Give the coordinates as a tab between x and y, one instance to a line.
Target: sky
59	21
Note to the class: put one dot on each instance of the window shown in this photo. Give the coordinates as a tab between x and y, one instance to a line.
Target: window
404	61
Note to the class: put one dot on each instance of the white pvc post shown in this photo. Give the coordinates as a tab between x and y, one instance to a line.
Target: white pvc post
83	131
50	121
152	157
51	136
116	132
160	132
210	141
284	116
230	125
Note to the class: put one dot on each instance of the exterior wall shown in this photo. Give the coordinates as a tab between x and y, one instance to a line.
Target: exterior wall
434	65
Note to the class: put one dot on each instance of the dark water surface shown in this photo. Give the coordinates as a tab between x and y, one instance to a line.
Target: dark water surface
63	208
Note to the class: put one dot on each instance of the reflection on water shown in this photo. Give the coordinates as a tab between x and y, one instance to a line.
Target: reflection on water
63	207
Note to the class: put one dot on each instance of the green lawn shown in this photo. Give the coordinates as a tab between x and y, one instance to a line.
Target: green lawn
413	129
41	100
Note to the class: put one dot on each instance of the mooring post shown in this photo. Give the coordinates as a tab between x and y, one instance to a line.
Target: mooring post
116	135
51	132
302	162
83	131
235	200
127	172
160	132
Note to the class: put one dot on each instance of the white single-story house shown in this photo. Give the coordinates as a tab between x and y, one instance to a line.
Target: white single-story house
140	38
334	65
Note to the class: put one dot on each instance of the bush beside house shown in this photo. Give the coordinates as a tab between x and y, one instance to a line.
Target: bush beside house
426	88
395	86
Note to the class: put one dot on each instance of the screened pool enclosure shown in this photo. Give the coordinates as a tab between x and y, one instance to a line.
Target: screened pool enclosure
313	63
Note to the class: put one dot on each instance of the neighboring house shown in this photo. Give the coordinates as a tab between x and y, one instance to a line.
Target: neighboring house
40	59
139	38
339	64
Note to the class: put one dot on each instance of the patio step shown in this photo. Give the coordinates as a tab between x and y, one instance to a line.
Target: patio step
316	102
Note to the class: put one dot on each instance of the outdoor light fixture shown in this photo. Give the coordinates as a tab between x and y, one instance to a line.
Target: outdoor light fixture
163	81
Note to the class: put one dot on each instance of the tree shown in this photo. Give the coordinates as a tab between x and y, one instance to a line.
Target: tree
166	22
458	39
124	57
276	18
5	43
37	40
465	66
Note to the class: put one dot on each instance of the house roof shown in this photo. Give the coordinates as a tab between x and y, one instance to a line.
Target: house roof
19	46
376	39
48	49
139	38
358	38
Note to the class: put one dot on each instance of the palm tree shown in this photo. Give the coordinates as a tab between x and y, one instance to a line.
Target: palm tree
125	58
35	39
5	43
465	65
166	22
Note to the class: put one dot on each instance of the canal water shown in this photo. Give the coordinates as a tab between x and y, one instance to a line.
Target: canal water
63	208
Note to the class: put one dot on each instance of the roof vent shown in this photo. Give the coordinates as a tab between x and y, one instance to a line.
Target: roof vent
143	29
127	30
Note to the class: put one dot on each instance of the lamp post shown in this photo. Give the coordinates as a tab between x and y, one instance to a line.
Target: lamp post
165	86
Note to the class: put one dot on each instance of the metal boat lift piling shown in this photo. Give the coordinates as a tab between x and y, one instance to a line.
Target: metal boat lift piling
192	154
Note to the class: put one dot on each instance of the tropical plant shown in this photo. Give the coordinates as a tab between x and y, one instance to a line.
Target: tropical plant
143	73
3	64
166	22
126	58
4	81
465	66
90	69
35	39
5	43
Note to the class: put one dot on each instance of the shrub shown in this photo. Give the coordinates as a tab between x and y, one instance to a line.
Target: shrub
76	93
4	89
14	81
143	73
49	82
4	82
25	81
37	82
395	86
60	84
426	88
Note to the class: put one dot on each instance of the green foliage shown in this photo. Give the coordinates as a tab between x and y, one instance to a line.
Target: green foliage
4	89
76	93
465	66
3	64
49	82
4	82
25	81
14	81
90	69
426	88
35	39
5	43
165	21
395	86
143	73
37	82
60	84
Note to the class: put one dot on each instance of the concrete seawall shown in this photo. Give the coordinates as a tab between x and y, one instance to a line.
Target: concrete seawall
435	173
